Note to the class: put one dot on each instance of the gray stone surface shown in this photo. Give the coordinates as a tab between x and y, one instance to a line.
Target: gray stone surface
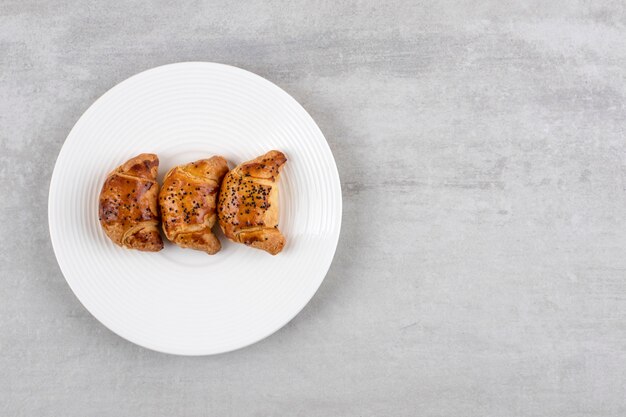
481	269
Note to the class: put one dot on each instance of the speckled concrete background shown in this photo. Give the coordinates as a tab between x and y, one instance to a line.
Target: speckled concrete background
481	269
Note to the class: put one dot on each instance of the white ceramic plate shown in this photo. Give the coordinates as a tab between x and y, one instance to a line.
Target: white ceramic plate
179	300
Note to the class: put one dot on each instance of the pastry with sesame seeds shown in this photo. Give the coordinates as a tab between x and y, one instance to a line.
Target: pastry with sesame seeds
248	203
188	200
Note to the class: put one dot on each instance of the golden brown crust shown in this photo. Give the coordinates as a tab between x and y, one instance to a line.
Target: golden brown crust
188	200
248	203
128	209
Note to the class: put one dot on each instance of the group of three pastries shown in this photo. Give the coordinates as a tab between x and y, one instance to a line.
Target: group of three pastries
191	200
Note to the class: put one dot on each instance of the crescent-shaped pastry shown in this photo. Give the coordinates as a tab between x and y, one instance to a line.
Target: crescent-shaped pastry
248	203
128	209
188	199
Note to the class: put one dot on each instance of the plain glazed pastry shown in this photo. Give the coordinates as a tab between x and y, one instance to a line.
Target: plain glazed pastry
128	209
248	203
188	202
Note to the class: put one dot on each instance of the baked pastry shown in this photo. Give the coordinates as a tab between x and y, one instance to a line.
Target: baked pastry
188	199
128	209
248	203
